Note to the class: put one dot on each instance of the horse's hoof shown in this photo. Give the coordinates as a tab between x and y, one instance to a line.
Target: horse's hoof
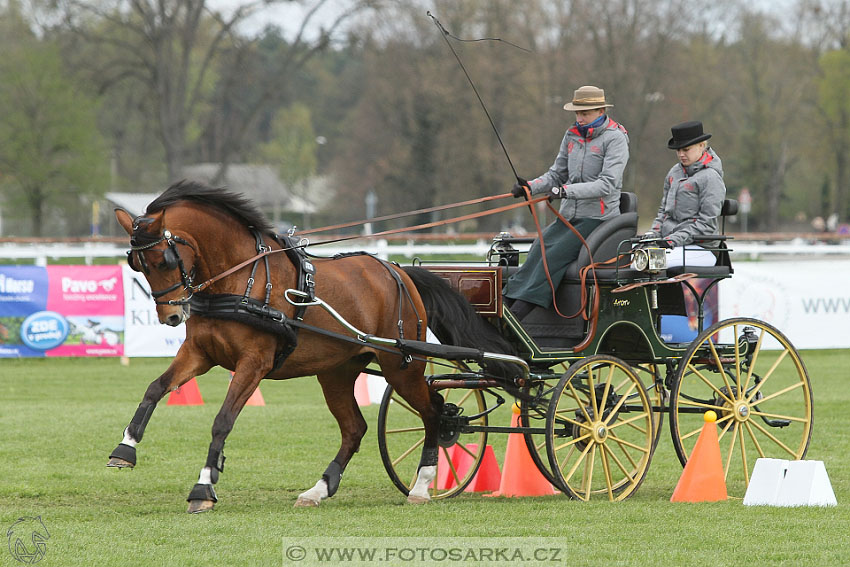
119	463
198	506
304	502
414	499
123	457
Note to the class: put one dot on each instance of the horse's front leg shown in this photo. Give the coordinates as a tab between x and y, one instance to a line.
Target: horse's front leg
182	369
245	380
338	389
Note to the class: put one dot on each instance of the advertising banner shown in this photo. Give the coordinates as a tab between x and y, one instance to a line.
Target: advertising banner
61	311
808	301
144	334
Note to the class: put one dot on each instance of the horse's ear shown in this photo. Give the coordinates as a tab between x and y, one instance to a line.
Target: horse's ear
124	219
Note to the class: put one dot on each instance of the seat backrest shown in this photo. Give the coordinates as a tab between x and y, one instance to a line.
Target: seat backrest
729	209
605	239
628	202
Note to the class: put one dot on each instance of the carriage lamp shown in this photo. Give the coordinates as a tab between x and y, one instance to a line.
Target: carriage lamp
649	259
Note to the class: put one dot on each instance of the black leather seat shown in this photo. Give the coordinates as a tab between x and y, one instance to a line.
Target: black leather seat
549	329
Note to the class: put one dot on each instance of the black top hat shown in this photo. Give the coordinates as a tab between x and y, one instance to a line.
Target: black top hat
686	134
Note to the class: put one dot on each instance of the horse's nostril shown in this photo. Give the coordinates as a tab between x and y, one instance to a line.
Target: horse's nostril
174	320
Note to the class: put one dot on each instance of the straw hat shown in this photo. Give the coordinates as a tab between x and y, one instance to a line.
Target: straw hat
686	134
587	98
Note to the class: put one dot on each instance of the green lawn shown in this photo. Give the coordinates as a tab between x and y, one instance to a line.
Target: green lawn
60	419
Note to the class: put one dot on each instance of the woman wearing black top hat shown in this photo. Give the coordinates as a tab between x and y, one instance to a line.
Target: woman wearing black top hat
693	196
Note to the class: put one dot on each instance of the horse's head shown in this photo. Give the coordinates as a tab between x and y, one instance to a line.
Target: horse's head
167	260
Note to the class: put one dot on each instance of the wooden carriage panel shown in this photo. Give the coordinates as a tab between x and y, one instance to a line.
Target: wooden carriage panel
481	286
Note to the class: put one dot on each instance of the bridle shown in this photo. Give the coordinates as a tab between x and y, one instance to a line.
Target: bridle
172	260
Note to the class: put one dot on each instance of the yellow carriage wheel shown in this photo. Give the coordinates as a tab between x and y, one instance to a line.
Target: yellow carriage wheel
599	432
401	436
750	375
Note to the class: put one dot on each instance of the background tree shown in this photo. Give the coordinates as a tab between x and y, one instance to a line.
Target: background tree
51	154
292	150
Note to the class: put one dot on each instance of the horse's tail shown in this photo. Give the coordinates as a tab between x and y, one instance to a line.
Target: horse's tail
454	321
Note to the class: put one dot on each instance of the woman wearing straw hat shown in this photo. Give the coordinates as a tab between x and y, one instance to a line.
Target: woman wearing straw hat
587	176
692	199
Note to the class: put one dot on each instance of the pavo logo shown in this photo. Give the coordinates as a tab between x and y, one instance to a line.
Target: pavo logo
28	540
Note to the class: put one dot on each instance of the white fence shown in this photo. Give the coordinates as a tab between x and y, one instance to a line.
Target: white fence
43	253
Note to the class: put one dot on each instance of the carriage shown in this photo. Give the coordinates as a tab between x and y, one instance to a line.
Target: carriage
598	383
591	388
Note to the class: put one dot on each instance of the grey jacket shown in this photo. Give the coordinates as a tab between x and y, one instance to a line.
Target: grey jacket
590	170
692	200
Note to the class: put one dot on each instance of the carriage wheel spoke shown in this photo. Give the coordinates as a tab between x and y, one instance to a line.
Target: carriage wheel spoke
609	483
404	455
452	468
755	440
588	472
778	416
580	405
754	361
406	429
625	451
774	439
720	369
621	442
577	463
402	403
793	386
607	388
591	385
744	457
731	450
620	465
767	376
572	442
711	385
616	409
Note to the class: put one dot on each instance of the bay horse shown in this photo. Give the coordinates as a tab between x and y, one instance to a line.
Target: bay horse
193	232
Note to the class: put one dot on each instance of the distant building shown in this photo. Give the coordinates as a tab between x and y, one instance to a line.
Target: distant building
260	183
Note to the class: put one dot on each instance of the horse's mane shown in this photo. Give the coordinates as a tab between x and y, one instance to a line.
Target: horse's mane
237	205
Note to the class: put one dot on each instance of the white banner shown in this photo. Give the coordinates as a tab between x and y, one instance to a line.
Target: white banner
807	300
144	335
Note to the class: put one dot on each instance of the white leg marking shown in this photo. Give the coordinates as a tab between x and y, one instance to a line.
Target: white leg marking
128	440
206	476
313	496
419	492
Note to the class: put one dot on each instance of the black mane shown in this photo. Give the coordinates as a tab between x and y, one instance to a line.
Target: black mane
234	204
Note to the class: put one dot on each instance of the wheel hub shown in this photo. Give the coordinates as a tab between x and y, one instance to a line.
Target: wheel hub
742	411
599	432
449	425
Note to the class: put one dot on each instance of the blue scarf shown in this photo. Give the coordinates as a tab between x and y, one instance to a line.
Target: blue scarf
598	122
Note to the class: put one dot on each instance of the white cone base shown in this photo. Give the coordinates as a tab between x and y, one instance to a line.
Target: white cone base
777	482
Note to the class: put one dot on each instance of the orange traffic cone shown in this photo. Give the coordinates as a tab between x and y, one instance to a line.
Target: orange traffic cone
520	476
485	480
703	479
489	477
361	389
256	398
186	395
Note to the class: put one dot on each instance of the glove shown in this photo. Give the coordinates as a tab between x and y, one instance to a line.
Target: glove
557	192
518	190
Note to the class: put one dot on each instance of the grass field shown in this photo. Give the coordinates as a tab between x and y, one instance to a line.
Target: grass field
60	419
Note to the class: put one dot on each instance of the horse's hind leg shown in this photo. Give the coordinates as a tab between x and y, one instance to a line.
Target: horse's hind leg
410	384
181	370
338	389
